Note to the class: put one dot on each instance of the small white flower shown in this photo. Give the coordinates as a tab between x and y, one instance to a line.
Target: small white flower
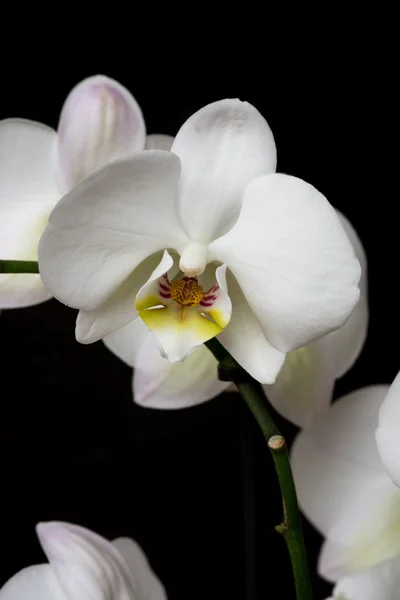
205	240
100	122
347	495
84	566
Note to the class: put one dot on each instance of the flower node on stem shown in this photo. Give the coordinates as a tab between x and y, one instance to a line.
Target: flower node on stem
276	442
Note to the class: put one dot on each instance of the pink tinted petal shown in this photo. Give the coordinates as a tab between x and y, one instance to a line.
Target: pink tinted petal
100	122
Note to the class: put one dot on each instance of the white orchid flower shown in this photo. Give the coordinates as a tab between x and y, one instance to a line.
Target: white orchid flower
388	432
347	495
100	122
84	566
265	262
303	388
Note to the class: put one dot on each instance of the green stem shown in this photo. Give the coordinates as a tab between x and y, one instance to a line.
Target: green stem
290	527
19	266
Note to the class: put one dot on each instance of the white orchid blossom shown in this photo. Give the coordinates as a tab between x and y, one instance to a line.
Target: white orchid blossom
100	122
204	240
347	495
84	566
388	431
304	385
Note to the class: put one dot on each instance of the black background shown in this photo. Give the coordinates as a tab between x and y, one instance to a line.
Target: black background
196	487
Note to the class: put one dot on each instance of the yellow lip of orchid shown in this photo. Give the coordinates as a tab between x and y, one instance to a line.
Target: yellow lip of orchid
181	314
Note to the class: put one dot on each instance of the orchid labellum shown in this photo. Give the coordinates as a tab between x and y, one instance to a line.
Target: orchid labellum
204	241
100	122
347	495
84	566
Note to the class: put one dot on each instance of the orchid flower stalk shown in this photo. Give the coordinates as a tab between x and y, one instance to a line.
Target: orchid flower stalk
290	528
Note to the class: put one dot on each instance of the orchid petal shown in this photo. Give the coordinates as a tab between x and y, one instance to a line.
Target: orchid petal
245	340
159	141
343	489
293	261
156	382
222	147
127	342
33	583
367	535
100	122
388	432
159	384
118	310
346	343
304	386
103	229
144	581
28	193
87	566
378	583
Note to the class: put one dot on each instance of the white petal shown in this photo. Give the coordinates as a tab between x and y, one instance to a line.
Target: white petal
379	583
159	141
21	226
100	122
27	161
127	341
28	193
293	261
87	566
304	386
144	581
222	147
343	489
366	535
101	231
159	384
245	340
118	310
388	432
346	343
33	583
